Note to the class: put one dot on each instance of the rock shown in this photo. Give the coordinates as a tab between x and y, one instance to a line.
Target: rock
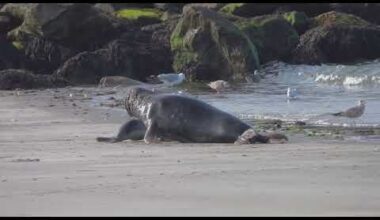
207	46
8	22
45	56
61	22
256	9
23	79
133	55
112	81
299	21
272	35
338	38
106	7
86	67
367	11
211	6
10	56
160	38
172	7
112	7
310	9
334	18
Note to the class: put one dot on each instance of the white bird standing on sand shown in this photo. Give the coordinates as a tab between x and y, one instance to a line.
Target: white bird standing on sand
353	112
292	93
171	78
219	85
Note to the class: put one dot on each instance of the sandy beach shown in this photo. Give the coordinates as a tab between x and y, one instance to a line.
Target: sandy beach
51	165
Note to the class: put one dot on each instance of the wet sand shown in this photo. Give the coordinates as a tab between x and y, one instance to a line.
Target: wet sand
51	165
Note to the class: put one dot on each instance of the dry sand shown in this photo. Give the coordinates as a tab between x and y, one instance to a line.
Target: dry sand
51	165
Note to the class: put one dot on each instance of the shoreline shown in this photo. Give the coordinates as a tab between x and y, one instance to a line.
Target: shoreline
51	165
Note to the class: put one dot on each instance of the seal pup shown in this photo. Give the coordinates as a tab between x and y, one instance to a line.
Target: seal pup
184	119
133	129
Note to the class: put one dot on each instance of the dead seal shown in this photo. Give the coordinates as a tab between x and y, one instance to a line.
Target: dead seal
185	119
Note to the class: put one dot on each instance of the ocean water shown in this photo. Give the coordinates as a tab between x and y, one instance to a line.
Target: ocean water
322	89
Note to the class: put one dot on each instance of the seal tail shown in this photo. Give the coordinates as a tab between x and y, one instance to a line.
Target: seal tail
107	139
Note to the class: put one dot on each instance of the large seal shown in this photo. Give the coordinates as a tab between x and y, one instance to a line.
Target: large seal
185	119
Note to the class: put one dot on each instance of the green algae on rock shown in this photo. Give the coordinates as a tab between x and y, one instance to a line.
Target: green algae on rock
138	13
299	20
18	45
207	46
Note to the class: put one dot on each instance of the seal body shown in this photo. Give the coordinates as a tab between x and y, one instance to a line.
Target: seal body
184	119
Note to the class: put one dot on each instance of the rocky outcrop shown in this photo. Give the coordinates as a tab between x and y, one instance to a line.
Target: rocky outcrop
207	46
10	57
8	22
367	11
338	38
112	7
135	55
44	56
211	6
257	9
23	79
272	35
112	81
299	21
78	25
172	7
334	18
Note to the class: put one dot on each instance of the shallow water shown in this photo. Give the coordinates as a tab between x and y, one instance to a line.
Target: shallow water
321	90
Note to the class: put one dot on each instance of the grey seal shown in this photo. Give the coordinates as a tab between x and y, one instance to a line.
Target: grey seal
185	119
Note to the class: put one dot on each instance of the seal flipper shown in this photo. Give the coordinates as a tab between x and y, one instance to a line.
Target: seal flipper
151	134
107	139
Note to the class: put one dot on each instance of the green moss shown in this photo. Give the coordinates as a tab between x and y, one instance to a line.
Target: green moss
231	7
176	39
18	44
211	41
296	19
338	18
136	13
183	58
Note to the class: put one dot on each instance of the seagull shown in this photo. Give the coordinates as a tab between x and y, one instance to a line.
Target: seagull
171	78
219	85
292	93
353	112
